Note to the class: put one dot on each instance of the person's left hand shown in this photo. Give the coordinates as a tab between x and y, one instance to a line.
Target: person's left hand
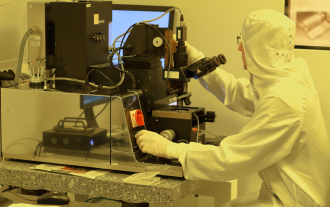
152	143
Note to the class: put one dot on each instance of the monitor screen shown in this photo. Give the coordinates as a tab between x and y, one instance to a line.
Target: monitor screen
312	18
89	101
124	16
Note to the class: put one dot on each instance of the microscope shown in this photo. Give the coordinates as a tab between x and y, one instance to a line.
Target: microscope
71	38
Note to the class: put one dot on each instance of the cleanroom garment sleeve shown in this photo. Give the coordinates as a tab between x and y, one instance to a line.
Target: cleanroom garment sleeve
265	140
235	94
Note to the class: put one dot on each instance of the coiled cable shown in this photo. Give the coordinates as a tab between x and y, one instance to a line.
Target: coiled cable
110	58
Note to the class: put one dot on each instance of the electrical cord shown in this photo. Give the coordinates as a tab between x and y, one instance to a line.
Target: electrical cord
19	140
79	118
146	23
168	45
95	116
110	58
102	74
78	81
170	51
35	152
9	189
102	110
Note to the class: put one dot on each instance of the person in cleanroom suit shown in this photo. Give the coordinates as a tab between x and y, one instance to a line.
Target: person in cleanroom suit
285	140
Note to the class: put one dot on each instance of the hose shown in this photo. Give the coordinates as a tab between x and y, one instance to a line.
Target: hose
20	56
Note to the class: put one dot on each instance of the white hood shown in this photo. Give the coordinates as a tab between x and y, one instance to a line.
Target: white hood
268	40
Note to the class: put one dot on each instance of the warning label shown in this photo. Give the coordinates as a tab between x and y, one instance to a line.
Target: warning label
35	40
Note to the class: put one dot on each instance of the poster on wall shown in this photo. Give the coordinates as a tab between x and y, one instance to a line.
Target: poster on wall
312	19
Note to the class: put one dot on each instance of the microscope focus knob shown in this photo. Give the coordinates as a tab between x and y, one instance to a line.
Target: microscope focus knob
168	134
157	41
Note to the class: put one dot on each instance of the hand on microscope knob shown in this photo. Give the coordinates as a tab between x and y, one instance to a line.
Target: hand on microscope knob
152	143
157	145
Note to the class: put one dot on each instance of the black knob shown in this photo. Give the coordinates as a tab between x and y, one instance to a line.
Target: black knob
210	116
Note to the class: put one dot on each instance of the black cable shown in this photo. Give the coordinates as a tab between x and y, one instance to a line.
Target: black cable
102	74
9	189
35	151
169	66
121	70
40	148
168	45
95	116
21	77
122	40
79	118
102	110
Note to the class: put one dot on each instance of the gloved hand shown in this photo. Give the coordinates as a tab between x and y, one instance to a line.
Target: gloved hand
157	145
152	143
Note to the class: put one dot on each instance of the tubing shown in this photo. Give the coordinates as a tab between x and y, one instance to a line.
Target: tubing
20	56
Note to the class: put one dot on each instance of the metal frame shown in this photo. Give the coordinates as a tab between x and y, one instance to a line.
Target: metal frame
132	7
287	13
167	170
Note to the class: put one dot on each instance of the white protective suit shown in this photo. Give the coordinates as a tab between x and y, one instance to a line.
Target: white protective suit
285	140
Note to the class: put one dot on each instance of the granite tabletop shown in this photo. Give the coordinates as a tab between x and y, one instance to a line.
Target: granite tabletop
167	191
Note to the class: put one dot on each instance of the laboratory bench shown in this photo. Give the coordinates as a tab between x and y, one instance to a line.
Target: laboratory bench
167	191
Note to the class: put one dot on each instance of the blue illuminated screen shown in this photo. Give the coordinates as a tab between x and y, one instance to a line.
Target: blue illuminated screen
123	19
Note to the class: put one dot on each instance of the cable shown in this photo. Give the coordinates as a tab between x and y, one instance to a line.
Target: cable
110	58
9	189
78	81
102	110
170	51
197	127
95	116
79	118
100	198
35	151
130	29
19	140
102	74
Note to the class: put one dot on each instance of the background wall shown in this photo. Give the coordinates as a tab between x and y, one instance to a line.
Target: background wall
212	28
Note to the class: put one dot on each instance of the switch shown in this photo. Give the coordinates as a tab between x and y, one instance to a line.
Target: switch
137	118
